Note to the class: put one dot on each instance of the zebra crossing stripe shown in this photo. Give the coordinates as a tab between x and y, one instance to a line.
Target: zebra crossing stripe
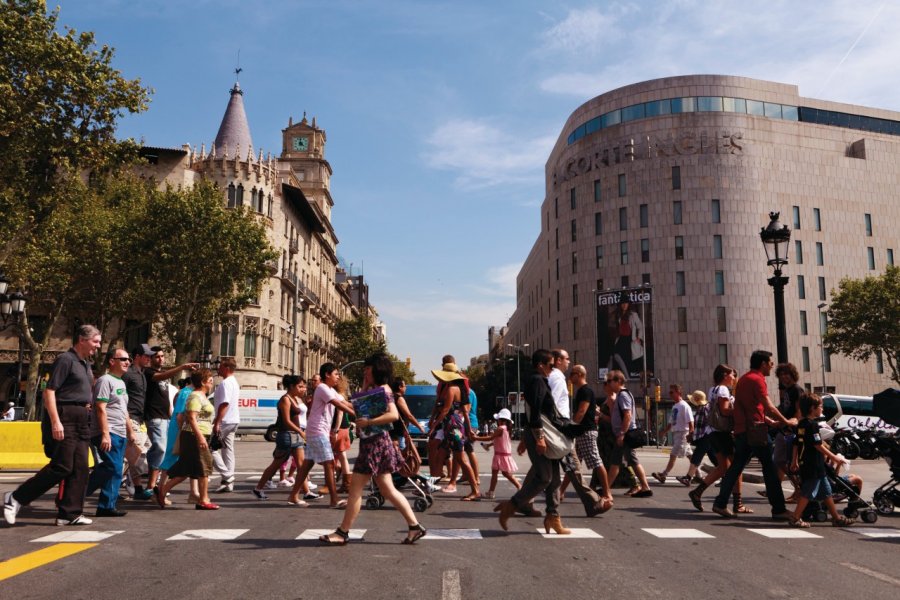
453	534
786	534
208	534
878	533
77	536
674	533
313	534
577	533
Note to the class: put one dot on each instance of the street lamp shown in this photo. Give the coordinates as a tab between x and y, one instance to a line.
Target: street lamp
823	323
12	305
518	377
776	240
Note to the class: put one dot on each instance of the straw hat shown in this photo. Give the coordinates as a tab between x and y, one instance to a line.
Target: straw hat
448	373
697	398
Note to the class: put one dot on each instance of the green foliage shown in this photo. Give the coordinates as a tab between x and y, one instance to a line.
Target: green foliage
402	371
60	100
356	341
864	319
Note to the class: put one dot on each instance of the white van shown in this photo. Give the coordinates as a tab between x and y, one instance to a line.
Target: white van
852	412
258	410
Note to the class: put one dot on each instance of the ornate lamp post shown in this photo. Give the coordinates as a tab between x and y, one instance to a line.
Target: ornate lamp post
12	305
776	239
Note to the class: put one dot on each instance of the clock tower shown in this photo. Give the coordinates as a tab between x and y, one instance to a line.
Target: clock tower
303	149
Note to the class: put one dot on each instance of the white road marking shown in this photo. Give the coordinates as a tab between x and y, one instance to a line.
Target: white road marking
450	586
786	534
453	534
871	573
878	533
313	534
577	533
77	536
208	534
678	533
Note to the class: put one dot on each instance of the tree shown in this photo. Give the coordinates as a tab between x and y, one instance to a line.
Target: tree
864	319
60	99
203	260
402	371
356	341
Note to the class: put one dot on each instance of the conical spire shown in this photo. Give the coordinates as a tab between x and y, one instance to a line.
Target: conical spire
234	132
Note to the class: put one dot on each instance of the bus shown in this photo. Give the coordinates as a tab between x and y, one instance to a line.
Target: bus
421	400
852	412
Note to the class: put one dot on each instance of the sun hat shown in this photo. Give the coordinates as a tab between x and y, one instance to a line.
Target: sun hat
697	398
503	414
449	372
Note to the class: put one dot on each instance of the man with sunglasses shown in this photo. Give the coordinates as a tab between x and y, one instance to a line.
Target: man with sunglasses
111	433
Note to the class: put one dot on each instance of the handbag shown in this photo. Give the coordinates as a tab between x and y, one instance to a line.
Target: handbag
635	438
717	420
757	434
558	443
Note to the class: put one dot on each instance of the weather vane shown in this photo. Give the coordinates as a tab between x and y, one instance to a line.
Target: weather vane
238	69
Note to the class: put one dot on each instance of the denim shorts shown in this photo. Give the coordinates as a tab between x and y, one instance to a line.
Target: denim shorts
158	432
816	489
285	443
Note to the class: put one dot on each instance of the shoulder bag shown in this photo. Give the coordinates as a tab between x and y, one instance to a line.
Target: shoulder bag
718	421
558	443
634	437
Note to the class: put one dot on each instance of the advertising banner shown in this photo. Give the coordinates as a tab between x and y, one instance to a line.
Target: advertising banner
625	331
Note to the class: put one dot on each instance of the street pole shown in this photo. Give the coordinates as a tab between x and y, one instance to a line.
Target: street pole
519	384
778	282
823	323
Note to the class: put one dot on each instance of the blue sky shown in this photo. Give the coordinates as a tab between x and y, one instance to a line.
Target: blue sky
441	115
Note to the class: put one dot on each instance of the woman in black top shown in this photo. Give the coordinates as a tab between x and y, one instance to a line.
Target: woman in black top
290	438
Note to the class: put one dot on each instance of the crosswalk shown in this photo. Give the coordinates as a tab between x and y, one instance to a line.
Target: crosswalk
436	534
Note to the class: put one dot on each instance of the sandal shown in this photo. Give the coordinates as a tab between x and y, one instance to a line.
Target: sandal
694	495
740	508
450	489
417	532
842	522
341	504
343	538
799	523
488	495
473	497
633	491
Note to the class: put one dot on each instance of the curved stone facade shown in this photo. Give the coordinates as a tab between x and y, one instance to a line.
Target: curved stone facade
683	172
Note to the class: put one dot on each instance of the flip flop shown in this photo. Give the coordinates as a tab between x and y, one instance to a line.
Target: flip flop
642	494
341	504
471	498
298	503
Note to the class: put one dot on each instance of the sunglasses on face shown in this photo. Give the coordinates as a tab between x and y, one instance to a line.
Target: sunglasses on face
122	358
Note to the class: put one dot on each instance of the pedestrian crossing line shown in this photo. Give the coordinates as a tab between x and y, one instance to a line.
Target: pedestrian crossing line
78	536
453	534
878	533
577	533
32	560
675	533
208	534
313	534
786	534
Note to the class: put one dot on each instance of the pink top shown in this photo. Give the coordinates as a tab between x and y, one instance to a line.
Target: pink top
502	445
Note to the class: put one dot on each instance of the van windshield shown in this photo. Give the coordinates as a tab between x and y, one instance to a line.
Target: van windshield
421	405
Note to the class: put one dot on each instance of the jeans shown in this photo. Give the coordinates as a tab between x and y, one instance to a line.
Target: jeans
107	475
543	476
742	454
223	459
158	431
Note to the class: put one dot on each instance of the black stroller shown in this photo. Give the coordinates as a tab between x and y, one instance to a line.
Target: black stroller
886	406
408	475
856	506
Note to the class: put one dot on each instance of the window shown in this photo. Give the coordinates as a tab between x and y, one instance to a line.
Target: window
723	354
557	269
870	252
676	178
817	219
597	192
720	283
805	352
598	223
683	356
721	320
716	212
890	256
679	283
574	229
682	319
250	336
574	262
804	329
645	250
556	208
266	349
645	216
623	219
622	185
820	254
879	363
575	294
717	246
557	237
645	278
231	197
228	346
796	212
679	247
599	251
558	337
623	252
798	252
239	195
822	290
557	300
676	212
801	287
575	328
868	225
623	281
599	284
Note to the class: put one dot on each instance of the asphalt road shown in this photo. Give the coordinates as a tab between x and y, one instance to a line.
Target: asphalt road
659	546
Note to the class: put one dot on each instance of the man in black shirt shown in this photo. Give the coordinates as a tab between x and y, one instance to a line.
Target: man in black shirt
136	385
67	400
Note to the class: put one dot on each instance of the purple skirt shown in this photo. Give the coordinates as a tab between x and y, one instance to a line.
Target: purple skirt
377	455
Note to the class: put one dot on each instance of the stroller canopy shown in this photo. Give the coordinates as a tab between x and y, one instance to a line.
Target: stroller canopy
886	405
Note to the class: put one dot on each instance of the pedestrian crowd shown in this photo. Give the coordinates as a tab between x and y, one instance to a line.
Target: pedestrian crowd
130	414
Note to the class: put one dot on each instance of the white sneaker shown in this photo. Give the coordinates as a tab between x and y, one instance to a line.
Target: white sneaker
285	483
10	508
270	485
312	486
225	488
79	520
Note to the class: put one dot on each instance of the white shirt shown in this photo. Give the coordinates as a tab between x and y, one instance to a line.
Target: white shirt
227	391
682	416
559	391
10	415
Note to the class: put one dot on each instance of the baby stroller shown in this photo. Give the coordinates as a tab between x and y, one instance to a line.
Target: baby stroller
856	506
408	475
886	406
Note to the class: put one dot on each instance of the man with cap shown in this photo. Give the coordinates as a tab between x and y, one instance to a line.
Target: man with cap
136	386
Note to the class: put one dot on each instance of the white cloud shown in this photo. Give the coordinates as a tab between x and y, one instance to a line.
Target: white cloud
583	31
484	155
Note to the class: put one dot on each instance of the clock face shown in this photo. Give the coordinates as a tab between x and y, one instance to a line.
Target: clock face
301	143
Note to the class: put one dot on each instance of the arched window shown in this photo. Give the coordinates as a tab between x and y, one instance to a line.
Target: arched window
231	196
239	196
270	206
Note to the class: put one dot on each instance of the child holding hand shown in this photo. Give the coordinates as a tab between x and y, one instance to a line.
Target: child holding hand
503	461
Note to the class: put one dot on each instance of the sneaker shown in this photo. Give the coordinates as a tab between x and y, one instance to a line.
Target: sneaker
260	495
79	520
684	480
10	508
225	488
723	511
312	486
311	496
660	477
271	485
285	483
143	494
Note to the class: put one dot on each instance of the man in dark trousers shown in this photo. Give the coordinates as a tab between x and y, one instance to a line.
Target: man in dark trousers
67	400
